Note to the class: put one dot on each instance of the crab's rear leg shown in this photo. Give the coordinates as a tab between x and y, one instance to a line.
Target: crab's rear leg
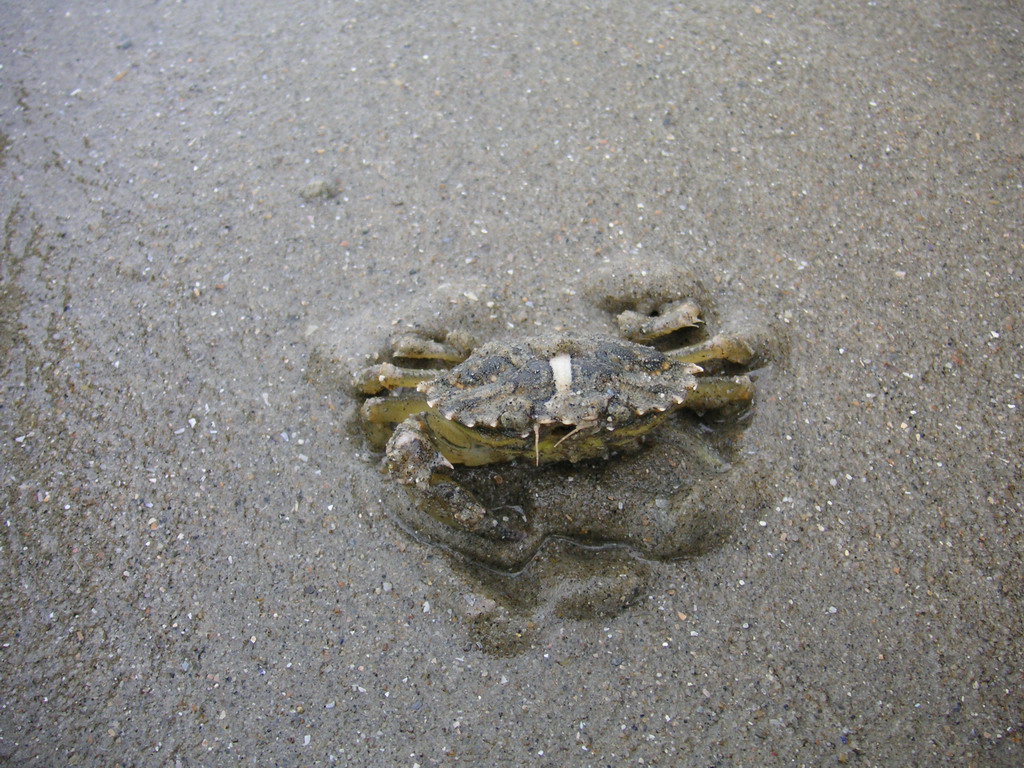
677	316
377	378
714	392
452	348
718	391
728	347
455	347
414	460
666	319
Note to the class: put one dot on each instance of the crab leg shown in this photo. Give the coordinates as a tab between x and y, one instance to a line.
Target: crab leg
391	409
454	349
639	326
719	391
377	378
724	346
379	415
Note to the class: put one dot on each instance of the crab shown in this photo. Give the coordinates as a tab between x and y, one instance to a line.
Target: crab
554	397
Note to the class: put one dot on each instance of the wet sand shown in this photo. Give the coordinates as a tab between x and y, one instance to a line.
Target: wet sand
212	215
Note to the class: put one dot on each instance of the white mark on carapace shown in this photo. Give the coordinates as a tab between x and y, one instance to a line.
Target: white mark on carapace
561	372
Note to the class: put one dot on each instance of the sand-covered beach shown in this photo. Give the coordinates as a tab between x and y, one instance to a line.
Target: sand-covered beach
214	213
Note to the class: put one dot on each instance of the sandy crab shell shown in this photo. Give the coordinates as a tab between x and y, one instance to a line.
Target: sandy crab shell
570	379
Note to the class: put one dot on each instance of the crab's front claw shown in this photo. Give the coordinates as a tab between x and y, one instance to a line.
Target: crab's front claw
413	460
411	457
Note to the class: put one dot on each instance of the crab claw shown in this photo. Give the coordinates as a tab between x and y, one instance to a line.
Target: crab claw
411	457
414	460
